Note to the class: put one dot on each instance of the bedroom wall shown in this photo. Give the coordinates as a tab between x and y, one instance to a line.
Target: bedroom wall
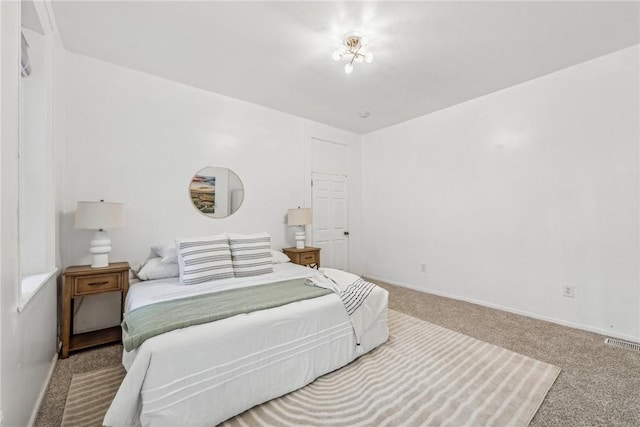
139	139
508	197
28	340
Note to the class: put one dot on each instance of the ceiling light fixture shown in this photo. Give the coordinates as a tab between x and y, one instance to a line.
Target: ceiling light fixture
354	49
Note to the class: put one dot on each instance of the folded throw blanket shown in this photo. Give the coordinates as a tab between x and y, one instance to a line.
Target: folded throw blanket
363	301
165	316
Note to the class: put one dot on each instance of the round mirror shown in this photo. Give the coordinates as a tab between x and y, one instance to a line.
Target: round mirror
216	191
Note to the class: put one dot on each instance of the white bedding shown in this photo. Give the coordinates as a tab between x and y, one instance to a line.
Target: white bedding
204	374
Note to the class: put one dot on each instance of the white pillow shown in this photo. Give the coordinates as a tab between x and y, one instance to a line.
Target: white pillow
168	253
251	254
153	268
202	259
278	257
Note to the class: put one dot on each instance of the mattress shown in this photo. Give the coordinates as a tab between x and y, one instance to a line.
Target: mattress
205	374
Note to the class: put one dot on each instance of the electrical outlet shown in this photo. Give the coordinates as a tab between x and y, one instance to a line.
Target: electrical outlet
568	291
423	268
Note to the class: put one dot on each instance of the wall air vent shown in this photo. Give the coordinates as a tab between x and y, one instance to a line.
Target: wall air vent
622	344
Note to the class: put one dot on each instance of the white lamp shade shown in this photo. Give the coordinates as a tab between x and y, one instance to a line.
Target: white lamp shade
299	216
99	215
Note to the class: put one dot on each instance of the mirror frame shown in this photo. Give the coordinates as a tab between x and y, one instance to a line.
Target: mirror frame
208	181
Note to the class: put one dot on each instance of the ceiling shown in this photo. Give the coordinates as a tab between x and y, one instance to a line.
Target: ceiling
427	55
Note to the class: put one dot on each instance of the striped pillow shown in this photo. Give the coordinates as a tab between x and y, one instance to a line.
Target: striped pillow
251	254
203	259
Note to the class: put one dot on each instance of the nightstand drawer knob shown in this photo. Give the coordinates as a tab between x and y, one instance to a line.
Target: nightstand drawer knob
106	282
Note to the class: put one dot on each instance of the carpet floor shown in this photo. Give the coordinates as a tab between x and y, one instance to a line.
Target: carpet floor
597	386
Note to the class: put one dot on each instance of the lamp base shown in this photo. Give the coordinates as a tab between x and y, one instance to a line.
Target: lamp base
300	239
100	247
100	260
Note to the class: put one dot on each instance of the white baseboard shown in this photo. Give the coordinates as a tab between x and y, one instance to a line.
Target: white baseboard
36	407
574	325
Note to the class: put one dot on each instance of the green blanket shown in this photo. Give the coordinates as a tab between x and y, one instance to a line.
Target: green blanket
155	319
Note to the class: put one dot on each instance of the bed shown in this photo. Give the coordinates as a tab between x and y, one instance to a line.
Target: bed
202	375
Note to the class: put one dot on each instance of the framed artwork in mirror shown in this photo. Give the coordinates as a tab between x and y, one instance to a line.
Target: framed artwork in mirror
216	191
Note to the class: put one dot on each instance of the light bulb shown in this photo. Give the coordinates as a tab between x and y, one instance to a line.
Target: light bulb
342	50
359	58
348	68
336	56
368	58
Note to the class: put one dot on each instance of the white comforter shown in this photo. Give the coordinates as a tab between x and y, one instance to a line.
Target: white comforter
204	374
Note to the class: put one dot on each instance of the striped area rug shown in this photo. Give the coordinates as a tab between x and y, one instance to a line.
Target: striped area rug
425	375
90	395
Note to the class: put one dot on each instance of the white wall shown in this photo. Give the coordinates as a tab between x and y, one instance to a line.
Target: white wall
27	338
510	196
139	139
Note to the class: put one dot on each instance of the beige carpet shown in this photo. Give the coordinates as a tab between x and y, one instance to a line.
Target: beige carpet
424	375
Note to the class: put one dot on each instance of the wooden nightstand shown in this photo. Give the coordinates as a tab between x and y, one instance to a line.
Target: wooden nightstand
80	281
308	256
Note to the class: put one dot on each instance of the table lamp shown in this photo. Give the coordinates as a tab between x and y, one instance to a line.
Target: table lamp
299	217
99	216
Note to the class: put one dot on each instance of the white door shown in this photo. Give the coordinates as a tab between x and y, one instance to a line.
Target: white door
330	215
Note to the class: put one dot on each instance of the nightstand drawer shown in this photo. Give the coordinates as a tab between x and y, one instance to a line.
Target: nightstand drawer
309	258
97	283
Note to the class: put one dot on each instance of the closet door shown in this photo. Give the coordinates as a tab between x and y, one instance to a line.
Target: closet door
330	219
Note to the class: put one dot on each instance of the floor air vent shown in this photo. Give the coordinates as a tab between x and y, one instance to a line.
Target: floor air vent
622	344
